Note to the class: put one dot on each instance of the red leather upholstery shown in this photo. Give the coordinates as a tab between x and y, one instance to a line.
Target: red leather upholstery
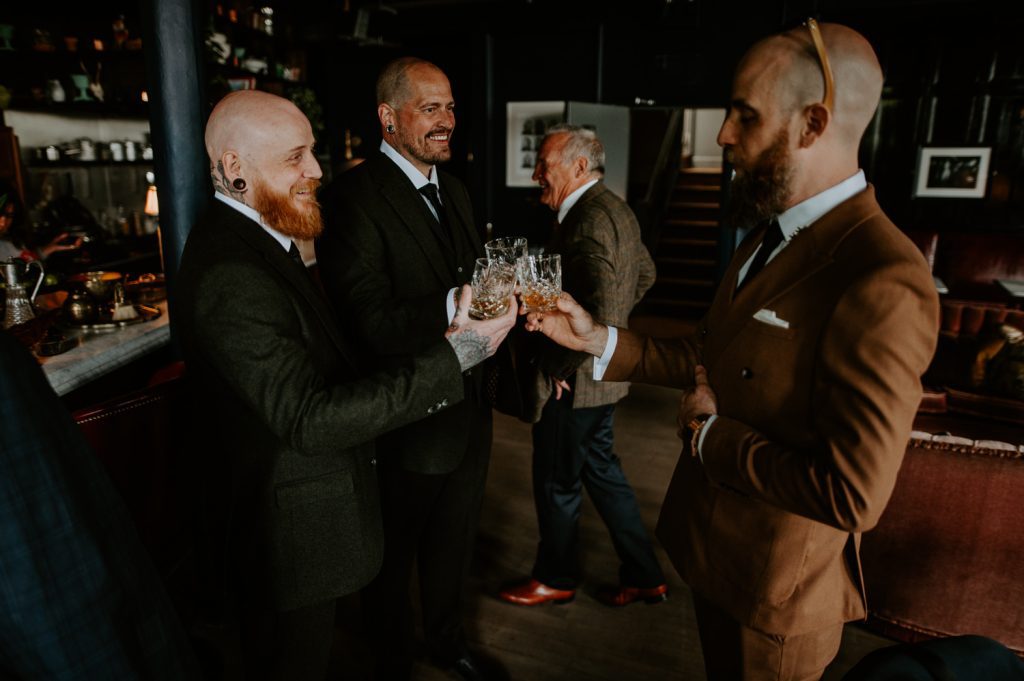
946	557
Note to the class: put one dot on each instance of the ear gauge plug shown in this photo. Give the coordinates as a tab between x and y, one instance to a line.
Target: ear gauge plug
390	128
238	183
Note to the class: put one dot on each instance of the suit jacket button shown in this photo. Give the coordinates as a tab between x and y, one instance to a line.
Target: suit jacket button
703	330
460	268
444	402
373	462
431	410
746	373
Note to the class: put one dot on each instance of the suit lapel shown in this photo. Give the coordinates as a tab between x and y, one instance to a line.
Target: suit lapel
809	251
278	259
398	191
459	215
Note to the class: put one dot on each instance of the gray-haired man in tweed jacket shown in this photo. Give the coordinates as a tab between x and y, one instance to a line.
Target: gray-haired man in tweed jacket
607	269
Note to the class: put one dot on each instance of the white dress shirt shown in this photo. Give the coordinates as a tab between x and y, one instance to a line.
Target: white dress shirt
799	217
420	180
571	200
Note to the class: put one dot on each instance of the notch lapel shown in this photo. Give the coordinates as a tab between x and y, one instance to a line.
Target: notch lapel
406	201
278	259
465	219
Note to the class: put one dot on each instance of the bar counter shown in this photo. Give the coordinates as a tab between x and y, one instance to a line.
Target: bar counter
101	352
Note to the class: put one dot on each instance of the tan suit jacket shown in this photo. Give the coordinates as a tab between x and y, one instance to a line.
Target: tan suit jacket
814	418
607	269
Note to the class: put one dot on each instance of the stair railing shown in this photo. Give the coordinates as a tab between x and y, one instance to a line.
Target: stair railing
652	208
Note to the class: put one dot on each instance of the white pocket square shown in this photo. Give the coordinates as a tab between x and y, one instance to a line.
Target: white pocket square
770	318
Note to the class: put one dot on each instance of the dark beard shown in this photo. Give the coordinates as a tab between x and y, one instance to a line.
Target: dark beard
278	211
763	190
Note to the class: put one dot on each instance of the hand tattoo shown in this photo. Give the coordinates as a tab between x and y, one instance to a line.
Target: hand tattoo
470	347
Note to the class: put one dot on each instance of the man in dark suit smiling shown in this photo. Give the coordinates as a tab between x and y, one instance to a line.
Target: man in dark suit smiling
289	411
399	241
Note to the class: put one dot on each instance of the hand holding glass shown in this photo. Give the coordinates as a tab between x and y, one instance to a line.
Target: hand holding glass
540	281
493	281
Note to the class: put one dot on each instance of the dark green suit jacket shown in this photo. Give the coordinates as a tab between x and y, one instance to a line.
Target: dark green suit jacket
290	413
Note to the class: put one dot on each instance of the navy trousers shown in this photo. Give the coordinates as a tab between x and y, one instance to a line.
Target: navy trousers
572	449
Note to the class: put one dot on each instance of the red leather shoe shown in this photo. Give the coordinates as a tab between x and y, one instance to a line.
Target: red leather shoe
618	596
532	592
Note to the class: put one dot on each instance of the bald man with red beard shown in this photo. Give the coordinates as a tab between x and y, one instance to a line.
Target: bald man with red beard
286	413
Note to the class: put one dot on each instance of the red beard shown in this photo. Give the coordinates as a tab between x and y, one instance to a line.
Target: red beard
280	212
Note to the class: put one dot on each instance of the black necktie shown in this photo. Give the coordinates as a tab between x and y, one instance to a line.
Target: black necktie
429	190
772	238
294	254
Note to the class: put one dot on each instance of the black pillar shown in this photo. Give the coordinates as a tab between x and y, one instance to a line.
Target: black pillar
173	47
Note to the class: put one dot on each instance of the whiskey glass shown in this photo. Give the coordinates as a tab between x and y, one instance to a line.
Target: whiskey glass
493	282
540	281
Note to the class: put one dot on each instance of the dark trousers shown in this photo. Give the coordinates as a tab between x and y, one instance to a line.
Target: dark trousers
430	520
572	448
294	645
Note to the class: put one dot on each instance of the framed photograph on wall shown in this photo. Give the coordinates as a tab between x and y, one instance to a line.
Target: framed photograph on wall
953	172
527	123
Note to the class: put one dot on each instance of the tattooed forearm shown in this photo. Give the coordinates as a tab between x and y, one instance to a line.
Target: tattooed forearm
470	347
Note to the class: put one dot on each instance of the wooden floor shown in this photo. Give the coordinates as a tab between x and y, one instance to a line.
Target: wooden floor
584	640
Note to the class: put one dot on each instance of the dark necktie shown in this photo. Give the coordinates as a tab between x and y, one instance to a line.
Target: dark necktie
429	190
293	253
772	238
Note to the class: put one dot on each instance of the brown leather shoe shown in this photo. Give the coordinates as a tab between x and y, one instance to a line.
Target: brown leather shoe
618	596
532	592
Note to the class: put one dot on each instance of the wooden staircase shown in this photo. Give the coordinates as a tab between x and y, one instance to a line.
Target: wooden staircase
687	250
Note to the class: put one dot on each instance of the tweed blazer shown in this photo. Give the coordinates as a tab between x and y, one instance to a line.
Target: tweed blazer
290	413
388	272
607	269
815	415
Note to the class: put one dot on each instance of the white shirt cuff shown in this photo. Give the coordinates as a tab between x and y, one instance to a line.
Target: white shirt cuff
451	303
704	434
602	362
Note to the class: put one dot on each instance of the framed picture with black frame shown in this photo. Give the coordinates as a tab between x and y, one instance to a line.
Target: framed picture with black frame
952	172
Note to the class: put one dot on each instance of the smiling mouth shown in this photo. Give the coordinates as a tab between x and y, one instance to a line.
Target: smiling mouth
439	137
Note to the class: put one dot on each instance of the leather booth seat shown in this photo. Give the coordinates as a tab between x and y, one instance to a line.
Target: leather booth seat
947	556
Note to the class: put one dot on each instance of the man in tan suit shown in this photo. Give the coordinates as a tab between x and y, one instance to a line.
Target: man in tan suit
608	269
802	380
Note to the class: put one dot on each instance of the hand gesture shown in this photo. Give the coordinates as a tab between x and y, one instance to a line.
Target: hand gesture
559	385
474	340
700	399
570	326
61	242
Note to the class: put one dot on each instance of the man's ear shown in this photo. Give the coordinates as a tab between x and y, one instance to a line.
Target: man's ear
816	118
386	114
580	166
230	165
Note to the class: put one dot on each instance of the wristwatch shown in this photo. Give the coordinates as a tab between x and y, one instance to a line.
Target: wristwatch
696	425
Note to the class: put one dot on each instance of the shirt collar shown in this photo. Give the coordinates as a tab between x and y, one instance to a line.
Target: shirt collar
571	200
411	171
807	212
286	242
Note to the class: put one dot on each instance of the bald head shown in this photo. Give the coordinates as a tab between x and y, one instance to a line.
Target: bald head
792	64
393	83
246	122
